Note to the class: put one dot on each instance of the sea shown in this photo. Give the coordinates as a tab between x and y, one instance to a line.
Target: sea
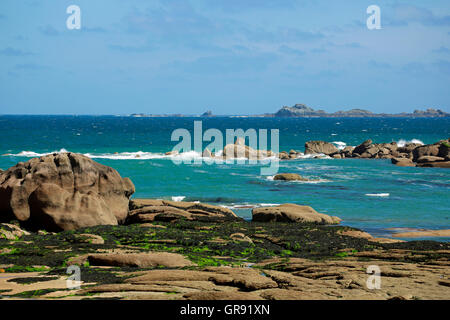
369	194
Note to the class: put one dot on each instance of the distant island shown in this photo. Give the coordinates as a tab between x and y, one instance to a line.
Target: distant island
303	111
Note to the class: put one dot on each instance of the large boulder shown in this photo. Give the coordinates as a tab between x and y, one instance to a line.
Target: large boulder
362	147
240	150
64	191
426	150
149	210
444	149
231	151
424	159
327	148
140	260
292	213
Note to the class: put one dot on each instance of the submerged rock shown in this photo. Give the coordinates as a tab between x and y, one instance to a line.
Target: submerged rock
64	191
289	177
292	213
437	164
402	162
424	159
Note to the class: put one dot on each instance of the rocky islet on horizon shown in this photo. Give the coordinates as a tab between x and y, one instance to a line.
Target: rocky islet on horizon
300	110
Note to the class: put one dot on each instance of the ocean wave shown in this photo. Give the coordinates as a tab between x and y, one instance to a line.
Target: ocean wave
178	198
402	142
32	154
313	155
141	155
339	144
248	205
312	181
377	194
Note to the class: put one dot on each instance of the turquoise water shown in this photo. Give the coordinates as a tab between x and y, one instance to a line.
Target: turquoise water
401	197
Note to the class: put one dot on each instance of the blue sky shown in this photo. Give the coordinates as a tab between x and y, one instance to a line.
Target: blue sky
228	56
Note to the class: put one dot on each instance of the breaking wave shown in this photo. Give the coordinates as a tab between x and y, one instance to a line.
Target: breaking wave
139	155
402	142
339	144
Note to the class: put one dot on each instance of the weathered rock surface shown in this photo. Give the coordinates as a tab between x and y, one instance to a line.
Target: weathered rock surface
89	238
425	150
240	237
423	234
141	260
432	155
289	177
403	162
64	191
147	210
362	147
11	231
240	150
441	164
292	213
424	159
326	148
283	261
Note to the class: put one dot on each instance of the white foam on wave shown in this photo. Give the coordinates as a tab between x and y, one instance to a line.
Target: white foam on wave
313	155
178	198
339	144
140	155
402	142
315	181
249	205
377	194
31	154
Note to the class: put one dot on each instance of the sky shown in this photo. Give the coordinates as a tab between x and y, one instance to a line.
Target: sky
227	56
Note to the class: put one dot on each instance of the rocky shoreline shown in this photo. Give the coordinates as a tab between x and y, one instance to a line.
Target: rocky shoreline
408	155
411	154
65	210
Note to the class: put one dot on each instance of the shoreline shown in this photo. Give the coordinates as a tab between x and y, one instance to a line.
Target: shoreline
206	260
150	249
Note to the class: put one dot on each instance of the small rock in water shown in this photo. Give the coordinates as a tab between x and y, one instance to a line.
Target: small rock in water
289	177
